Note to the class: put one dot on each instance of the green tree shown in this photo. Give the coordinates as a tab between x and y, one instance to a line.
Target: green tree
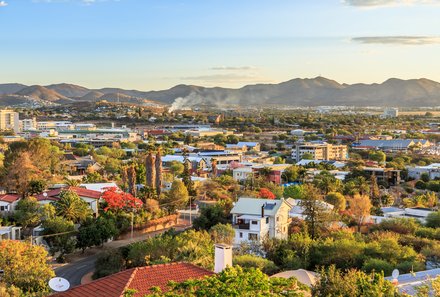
37	186
71	207
176	168
28	212
177	197
295	192
222	233
212	215
61	237
333	282
25	266
316	214
252	261
337	200
235	281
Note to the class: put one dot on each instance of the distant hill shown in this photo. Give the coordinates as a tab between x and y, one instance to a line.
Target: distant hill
69	90
39	92
296	92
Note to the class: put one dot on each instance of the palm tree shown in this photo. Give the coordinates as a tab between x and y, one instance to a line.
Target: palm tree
71	207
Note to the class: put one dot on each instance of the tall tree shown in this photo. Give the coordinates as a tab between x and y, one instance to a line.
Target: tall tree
131	174
360	207
20	174
150	171
186	177
28	212
317	216
374	190
178	196
158	168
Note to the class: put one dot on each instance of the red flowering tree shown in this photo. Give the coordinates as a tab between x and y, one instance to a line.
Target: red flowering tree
266	194
118	200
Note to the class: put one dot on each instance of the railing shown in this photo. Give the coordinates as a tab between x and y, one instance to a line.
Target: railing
242	226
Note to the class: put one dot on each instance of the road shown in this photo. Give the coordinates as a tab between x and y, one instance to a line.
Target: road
75	271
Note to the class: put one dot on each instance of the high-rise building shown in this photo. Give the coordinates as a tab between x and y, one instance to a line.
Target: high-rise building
390	112
9	120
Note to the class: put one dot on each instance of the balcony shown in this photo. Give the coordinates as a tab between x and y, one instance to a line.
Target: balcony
243	226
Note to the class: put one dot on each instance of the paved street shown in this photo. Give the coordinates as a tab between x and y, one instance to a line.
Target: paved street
76	270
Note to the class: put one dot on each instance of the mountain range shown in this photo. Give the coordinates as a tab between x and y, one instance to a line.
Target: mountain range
296	92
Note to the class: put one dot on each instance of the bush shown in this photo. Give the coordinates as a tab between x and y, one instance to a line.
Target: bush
430	233
433	220
408	266
249	261
108	263
377	265
421	185
399	225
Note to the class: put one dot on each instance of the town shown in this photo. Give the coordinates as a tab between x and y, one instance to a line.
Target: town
306	194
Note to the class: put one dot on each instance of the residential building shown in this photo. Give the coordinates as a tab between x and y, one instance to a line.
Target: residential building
89	196
10	233
9	120
319	151
432	170
254	219
8	202
139	279
388	175
28	124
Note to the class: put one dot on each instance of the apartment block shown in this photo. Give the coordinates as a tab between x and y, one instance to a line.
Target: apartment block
319	151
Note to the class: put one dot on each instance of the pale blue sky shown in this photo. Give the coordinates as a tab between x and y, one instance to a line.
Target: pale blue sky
156	44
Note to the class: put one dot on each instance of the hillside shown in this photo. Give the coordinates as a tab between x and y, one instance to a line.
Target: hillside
296	92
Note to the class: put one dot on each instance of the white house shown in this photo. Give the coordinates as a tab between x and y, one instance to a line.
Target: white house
10	232
255	219
242	173
89	196
8	202
432	170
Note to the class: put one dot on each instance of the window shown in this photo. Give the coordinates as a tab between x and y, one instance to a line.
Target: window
267	220
241	234
254	222
4	208
278	219
253	236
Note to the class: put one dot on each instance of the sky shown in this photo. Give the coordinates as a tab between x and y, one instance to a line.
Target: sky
156	44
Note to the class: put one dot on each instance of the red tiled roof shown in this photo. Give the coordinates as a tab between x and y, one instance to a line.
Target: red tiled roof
141	279
9	198
82	192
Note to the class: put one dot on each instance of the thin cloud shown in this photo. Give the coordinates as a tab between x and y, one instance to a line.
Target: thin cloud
398	40
385	3
234	68
225	78
3	3
85	2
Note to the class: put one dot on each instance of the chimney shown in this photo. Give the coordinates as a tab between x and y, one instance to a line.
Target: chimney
223	257
262	211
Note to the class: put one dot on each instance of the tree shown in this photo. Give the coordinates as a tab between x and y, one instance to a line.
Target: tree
20	174
266	194
131	179
25	266
307	156
352	283
176	168
62	239
317	216
327	182
425	177
178	196
95	232
293	173
337	200
37	186
186	178
28	212
212	215
222	233
150	170
360	207
377	156
118	201
295	192
252	261
158	168
71	207
235	281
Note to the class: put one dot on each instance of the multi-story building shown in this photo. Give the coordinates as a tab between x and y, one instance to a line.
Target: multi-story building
390	112
9	120
255	219
28	124
319	151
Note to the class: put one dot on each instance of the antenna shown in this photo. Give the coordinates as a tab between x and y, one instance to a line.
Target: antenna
59	284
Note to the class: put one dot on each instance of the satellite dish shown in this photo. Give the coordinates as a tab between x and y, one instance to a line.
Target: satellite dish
395	274
59	284
45	194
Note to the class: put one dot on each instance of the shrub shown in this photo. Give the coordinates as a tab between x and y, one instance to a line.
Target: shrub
433	220
399	225
248	261
108	263
377	265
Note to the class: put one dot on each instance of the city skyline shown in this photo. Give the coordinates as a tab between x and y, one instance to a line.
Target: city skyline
158	44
